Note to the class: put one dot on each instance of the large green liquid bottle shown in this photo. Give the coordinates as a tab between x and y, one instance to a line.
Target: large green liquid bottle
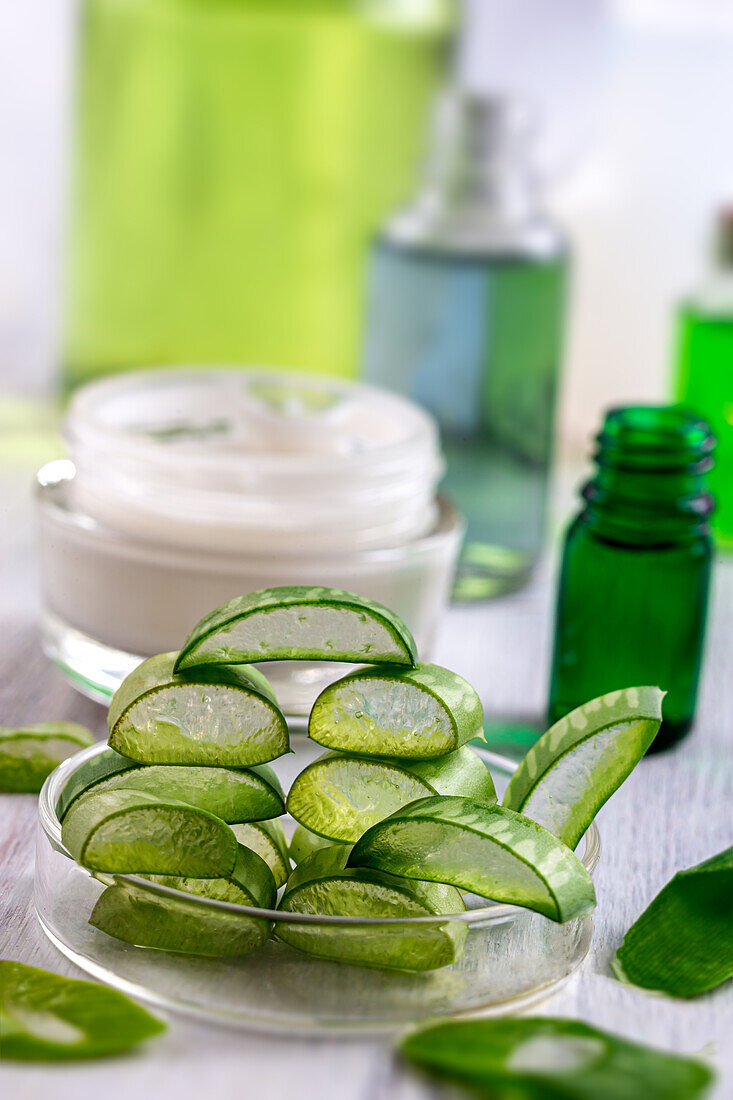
704	378
231	159
633	591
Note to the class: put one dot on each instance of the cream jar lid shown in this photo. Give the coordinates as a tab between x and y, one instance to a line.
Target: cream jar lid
249	460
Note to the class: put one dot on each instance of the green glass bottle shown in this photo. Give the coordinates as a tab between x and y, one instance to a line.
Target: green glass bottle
704	369
636	567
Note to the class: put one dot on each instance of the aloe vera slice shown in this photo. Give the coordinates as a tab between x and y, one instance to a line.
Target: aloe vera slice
29	754
323	885
299	623
217	716
44	1017
101	766
487	850
304	843
340	796
133	832
141	917
233	794
682	944
268	840
577	765
553	1059
418	713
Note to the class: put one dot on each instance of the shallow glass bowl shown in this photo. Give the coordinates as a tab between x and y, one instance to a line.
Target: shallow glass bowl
512	957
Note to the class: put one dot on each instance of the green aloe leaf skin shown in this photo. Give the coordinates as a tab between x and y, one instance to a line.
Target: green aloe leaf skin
44	1017
28	754
553	1059
682	944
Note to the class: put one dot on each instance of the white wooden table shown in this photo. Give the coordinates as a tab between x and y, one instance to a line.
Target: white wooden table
674	811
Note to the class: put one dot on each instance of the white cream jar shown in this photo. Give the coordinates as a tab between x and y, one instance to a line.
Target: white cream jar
187	487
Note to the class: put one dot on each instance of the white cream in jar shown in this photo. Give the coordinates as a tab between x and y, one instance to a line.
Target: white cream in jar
186	487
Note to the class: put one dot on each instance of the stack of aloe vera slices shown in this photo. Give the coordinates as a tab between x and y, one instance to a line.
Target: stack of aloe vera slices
394	819
183	796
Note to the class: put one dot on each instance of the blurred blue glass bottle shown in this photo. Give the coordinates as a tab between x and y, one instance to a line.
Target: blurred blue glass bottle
465	315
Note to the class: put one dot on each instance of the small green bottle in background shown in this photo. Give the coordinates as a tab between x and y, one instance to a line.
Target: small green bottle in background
635	574
704	369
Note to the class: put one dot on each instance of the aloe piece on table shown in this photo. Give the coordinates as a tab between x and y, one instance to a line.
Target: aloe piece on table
130	912
293	623
417	713
577	765
553	1059
44	1017
268	840
133	832
487	850
216	716
682	944
340	796
323	885
28	754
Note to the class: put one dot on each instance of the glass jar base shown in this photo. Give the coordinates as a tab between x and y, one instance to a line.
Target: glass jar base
486	570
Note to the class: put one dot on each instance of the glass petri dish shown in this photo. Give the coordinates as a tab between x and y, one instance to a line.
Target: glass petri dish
512	957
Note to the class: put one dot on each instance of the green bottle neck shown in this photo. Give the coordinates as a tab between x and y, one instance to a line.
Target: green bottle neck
650	486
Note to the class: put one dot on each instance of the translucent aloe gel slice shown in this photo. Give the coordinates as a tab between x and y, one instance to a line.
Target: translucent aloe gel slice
323	885
553	1059
577	765
215	716
682	944
44	1017
102	765
487	850
138	916
299	623
233	794
29	754
268	840
340	796
418	713
132	832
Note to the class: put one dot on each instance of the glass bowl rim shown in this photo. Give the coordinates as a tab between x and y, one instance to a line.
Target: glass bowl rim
495	913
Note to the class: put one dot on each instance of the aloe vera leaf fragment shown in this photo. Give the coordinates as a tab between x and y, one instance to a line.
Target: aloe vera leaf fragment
682	944
553	1059
576	766
44	1017
28	754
